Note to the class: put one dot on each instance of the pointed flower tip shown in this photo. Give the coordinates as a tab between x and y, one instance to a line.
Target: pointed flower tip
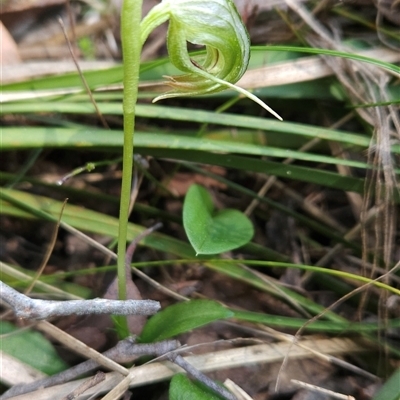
214	24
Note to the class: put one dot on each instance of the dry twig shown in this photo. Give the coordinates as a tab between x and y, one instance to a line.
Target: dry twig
125	351
25	307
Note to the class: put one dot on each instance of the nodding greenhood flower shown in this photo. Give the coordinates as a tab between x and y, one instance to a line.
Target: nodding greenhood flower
214	24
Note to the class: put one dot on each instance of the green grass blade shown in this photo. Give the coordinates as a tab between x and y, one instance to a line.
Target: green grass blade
316	326
311	175
199	116
95	138
342	54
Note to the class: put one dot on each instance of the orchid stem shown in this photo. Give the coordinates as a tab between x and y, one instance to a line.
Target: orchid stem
131	49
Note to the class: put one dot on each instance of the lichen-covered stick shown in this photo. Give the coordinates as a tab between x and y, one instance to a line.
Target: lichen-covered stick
25	307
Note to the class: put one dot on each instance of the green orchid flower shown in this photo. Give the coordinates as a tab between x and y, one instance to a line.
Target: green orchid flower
214	24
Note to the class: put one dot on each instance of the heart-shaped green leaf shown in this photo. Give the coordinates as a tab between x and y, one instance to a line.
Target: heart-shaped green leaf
211	232
182	317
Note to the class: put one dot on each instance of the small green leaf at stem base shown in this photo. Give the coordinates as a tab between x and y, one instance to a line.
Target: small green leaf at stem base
182	317
182	388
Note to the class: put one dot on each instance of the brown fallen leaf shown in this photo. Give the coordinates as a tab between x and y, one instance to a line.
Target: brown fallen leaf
181	181
135	322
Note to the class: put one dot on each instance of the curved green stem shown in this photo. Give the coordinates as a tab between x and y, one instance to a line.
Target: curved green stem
131	49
